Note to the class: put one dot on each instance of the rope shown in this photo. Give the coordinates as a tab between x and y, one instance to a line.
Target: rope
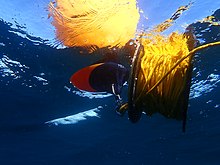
191	53
183	58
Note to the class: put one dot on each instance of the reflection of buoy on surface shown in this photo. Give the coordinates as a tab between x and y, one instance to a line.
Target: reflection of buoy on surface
94	23
102	77
160	77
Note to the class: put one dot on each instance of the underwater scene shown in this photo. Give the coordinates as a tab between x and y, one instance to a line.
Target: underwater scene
132	82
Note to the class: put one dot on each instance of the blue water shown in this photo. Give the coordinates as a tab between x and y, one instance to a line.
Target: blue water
36	96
